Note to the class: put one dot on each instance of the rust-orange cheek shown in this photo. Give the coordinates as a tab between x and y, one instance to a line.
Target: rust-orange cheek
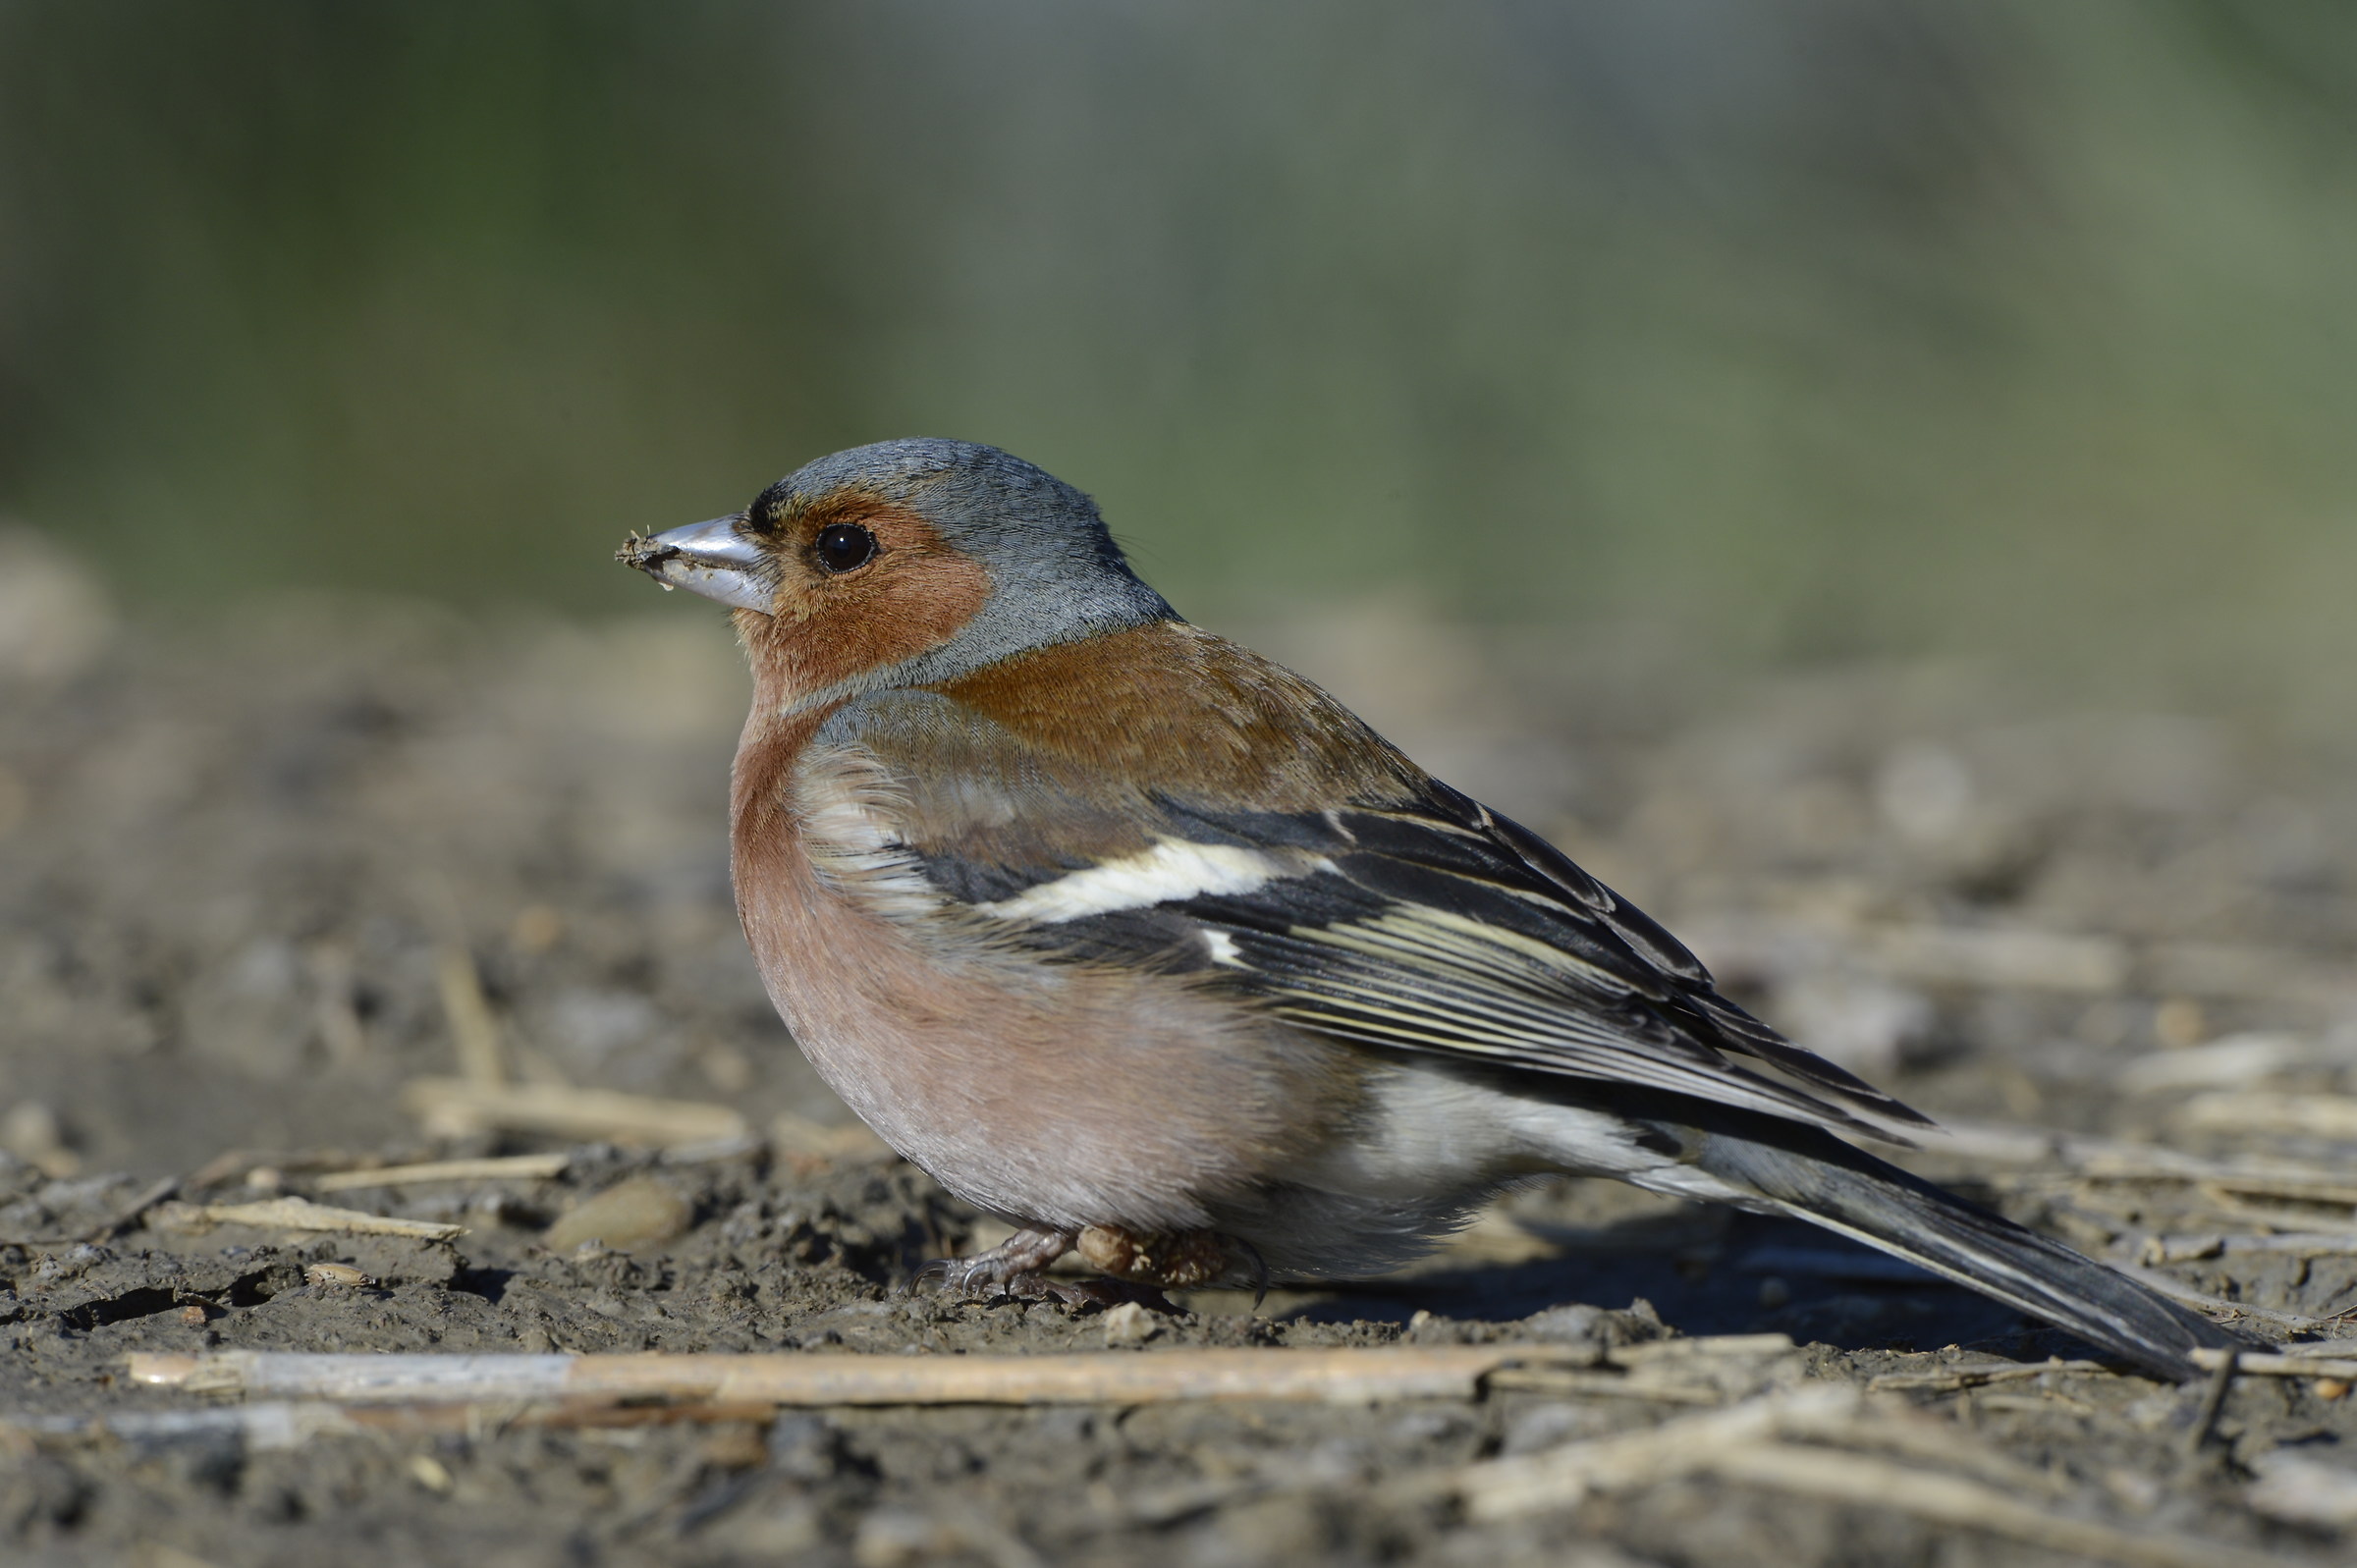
913	599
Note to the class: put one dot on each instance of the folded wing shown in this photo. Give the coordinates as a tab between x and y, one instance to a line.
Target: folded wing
1424	924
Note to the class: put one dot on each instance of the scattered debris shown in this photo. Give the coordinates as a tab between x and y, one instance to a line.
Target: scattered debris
1833	1444
629	1215
2315	1116
2298	1361
503	1168
272	969
1332	1376
299	1213
1981	1375
1127	1324
459	1108
794	1135
2302	1489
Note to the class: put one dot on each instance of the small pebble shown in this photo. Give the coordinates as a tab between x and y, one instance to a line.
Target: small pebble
1129	1325
430	1473
1775	1293
633	1213
192	1315
2331	1389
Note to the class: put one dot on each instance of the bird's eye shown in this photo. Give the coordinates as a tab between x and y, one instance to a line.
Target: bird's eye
842	546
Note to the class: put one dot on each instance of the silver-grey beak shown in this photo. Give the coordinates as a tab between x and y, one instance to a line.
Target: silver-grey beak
713	559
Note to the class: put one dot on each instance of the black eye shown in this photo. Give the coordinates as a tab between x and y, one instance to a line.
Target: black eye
842	546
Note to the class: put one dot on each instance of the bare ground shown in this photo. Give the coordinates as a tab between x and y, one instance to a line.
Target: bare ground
257	879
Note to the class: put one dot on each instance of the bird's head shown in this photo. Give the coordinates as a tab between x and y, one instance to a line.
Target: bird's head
904	564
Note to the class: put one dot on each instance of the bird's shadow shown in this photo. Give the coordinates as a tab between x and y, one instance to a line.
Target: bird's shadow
1756	1275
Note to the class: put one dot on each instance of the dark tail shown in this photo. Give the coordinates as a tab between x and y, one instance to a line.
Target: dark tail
1819	1178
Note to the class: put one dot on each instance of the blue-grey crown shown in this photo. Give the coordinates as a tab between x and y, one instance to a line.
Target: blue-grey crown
1056	573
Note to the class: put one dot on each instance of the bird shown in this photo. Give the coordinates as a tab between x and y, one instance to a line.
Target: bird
1153	950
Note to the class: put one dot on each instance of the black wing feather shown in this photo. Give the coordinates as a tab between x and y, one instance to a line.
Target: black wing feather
1439	926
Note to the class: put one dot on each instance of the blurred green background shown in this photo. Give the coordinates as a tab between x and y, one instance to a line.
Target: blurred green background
1797	328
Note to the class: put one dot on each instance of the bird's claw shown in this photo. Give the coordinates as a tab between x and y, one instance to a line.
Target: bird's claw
1138	1268
1008	1269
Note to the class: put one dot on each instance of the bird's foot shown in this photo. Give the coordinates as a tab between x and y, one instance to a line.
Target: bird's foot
1014	1268
1094	1292
1176	1259
1141	1266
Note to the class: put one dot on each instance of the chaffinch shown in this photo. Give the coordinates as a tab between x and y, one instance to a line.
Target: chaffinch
1152	948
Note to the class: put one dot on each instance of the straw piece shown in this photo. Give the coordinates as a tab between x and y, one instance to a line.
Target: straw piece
506	1167
793	1134
336	1013
1865	1481
2213	1403
2317	1115
471	1026
300	1213
1751	1443
1999	957
2194	1248
2257	974
1569	1380
1338	1376
293	1423
2316	1187
262	1425
2177	1290
2235	1061
132	1211
1956	1379
1709	1371
2253	1364
458	1107
2112	1159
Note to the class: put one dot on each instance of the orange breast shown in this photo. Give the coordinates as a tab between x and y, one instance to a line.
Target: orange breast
1066	1094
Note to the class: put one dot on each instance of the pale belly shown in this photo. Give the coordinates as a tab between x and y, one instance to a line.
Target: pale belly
1064	1095
1074	1095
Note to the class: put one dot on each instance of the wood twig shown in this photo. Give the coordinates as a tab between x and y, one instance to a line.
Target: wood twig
792	1135
132	1211
1576	1381
111	1226
2257	1364
1347	1375
1777	1442
300	1213
506	1167
473	1028
2315	1115
1956	1379
2177	1290
459	1108
2083	1158
2152	1249
2223	1365
291	1423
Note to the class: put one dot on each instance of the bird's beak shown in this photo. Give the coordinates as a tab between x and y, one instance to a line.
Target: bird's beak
713	559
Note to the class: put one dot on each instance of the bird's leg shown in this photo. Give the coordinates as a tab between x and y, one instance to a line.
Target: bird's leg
1141	1266
1016	1267
1178	1260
